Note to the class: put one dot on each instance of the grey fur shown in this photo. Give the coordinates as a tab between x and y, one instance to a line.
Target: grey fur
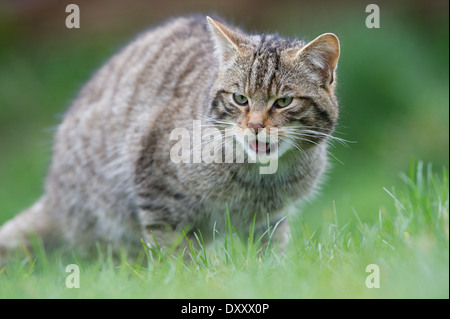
111	179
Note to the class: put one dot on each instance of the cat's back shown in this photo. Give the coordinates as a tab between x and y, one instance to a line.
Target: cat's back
161	62
153	82
162	71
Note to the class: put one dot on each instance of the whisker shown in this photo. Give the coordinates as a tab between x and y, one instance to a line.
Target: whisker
292	142
301	127
323	147
312	133
331	138
216	120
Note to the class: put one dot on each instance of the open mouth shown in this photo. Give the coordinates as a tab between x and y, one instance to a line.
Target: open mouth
263	147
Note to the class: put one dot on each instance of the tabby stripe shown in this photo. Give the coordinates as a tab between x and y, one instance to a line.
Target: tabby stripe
136	54
160	190
166	41
179	59
226	106
249	75
274	73
322	114
263	39
147	162
261	68
215	100
296	113
185	73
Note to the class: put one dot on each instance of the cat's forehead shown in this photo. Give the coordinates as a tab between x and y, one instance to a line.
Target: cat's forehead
270	44
261	66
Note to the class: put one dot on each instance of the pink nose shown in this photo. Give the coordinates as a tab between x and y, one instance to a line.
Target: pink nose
255	125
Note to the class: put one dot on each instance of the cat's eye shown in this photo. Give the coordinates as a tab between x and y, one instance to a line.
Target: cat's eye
240	99
282	102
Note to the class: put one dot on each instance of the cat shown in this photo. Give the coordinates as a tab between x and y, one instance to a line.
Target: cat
111	179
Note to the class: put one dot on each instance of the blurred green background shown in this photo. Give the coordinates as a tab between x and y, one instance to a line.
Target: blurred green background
393	84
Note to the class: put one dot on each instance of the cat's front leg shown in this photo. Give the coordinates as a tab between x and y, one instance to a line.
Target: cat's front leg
159	228
280	237
277	235
157	234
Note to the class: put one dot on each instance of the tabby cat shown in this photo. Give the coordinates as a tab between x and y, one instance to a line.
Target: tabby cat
111	179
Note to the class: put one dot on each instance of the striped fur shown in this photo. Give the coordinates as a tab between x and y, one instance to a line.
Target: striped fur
111	179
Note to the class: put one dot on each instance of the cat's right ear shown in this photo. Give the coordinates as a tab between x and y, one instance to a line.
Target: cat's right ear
227	41
322	53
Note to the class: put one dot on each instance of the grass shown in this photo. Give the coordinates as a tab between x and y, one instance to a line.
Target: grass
409	242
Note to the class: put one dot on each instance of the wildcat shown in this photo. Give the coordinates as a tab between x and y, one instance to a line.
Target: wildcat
111	179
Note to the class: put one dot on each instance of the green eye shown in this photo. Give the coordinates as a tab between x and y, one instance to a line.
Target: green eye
282	102
240	99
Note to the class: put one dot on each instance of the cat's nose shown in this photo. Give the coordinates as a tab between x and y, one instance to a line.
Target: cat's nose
255	127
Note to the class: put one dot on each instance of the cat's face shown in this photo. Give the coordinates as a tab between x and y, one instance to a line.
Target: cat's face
272	87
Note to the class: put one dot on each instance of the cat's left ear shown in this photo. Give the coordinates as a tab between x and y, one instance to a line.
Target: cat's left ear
323	54
227	41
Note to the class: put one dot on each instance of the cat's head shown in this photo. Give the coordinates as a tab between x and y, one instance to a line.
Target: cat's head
267	82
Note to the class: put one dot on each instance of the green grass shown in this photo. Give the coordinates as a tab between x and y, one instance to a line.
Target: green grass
408	241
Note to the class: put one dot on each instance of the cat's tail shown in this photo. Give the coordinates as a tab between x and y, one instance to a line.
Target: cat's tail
17	232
